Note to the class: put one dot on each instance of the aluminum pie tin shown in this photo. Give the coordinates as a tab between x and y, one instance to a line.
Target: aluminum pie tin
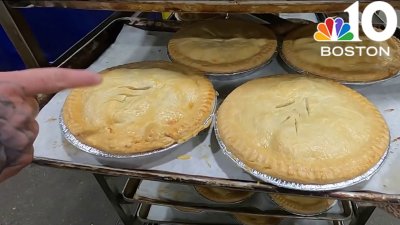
315	213
294	185
233	75
98	152
288	66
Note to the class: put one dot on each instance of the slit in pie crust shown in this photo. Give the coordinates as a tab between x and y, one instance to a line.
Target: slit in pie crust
302	129
141	107
301	51
223	46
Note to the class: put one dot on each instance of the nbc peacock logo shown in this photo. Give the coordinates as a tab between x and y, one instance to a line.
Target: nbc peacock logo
333	29
336	30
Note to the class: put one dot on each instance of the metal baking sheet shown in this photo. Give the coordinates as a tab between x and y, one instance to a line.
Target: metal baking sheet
169	215
206	158
154	192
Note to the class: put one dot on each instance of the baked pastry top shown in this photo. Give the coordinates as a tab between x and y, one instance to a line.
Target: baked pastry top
302	205
256	220
141	107
301	51
223	195
223	46
302	129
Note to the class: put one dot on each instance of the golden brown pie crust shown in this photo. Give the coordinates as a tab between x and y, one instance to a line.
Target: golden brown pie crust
223	46
302	129
302	205
223	195
140	107
301	51
256	220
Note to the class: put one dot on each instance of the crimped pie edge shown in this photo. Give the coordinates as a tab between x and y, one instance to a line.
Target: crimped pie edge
203	191
73	109
289	172
322	206
289	57
255	61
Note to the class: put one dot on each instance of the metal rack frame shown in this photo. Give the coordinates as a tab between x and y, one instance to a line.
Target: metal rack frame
144	210
130	194
21	36
239	6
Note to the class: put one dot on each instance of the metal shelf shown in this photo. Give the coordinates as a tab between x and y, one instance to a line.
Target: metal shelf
239	6
156	214
158	193
243	6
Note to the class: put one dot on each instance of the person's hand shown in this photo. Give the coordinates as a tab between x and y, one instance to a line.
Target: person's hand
18	109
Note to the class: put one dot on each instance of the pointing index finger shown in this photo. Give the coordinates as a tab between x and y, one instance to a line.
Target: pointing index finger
50	80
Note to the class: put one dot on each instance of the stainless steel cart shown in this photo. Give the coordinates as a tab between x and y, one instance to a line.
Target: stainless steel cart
356	205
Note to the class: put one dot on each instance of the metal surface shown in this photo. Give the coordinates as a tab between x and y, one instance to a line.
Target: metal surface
169	215
115	199
21	36
362	215
242	6
224	183
258	204
293	185
49	155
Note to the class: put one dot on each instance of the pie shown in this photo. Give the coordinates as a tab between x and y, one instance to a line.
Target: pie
301	51
302	129
223	46
302	205
223	195
256	220
141	107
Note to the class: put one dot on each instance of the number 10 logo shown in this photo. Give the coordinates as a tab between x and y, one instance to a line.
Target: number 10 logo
334	29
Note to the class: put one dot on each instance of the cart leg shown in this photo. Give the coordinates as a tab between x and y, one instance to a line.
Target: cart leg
116	200
21	36
362	215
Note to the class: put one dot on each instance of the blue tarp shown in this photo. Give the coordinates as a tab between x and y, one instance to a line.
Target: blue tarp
55	29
